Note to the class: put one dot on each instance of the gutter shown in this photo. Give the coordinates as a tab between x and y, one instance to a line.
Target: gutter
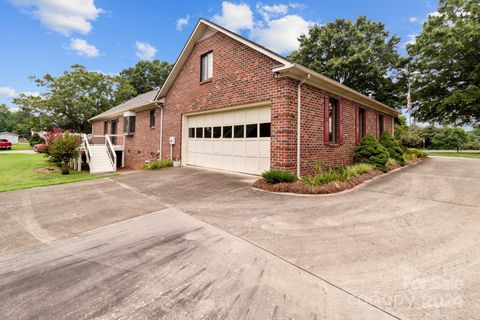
299	113
160	106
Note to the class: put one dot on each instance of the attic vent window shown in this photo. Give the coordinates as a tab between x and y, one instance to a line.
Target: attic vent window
206	66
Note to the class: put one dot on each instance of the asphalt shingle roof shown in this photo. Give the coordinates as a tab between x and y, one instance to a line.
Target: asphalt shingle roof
139	101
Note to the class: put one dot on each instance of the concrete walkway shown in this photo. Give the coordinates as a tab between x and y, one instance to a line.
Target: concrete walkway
403	246
16	151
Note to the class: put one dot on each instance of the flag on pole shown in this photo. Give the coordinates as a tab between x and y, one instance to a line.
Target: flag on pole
409	99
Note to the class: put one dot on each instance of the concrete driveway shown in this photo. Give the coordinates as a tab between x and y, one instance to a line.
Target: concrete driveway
188	243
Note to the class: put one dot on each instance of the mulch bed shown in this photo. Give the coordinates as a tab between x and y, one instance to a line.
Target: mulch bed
332	187
47	170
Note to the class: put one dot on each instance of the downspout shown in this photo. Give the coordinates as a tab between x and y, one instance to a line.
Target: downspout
160	154
299	105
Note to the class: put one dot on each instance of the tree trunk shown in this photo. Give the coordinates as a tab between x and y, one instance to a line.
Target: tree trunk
65	168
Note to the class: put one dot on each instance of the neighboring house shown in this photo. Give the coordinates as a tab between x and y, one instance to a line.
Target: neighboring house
234	105
11	137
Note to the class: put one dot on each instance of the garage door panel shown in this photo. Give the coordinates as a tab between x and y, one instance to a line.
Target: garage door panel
239	148
227	147
217	146
264	148
251	148
249	155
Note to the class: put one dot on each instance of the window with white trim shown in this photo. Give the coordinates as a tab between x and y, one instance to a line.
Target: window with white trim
206	66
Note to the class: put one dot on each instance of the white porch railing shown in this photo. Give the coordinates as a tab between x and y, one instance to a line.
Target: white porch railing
111	151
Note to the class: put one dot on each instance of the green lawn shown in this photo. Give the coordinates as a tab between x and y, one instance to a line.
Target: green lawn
17	171
22	146
453	153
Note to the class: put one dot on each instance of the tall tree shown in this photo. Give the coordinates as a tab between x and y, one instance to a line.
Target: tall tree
360	54
71	99
450	138
445	65
7	119
147	75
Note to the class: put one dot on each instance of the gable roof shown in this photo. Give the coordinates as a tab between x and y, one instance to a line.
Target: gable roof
138	103
10	133
285	68
197	33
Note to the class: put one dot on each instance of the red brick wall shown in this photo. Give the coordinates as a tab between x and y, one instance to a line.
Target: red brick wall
241	75
143	145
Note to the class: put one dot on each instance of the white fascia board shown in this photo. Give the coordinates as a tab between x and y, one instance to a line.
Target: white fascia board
299	72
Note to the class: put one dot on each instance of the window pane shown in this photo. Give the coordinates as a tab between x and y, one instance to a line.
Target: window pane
207	132
251	131
227	132
210	65
199	132
238	131
191	132
381	122
332	121
265	130
361	123
105	127
217	132
132	124
152	118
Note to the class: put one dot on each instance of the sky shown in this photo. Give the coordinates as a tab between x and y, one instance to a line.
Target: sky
48	36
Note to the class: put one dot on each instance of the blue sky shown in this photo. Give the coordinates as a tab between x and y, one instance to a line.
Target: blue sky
48	36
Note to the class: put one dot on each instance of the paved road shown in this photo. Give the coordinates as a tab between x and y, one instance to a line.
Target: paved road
402	246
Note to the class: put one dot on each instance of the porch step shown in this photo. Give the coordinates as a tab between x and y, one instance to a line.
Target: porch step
100	161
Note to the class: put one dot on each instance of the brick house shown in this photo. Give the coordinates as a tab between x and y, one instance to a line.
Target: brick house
232	104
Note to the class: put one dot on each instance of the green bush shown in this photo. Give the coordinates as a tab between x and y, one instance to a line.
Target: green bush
158	164
393	147
341	173
371	151
277	176
413	153
63	149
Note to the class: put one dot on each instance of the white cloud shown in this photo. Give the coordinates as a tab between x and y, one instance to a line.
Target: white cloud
83	48
182	22
412	39
8	92
64	17
144	50
235	17
281	35
275	10
31	93
413	19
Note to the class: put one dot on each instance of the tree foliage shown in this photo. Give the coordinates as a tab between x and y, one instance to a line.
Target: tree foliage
147	75
445	64
68	101
7	119
63	148
450	138
360	54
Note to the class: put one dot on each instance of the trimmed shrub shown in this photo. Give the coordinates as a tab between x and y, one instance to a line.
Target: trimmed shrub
414	153
277	176
393	147
158	164
371	151
341	173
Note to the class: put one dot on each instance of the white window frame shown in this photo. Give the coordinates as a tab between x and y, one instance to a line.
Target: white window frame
206	66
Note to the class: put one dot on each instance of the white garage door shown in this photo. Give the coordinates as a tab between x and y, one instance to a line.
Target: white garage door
236	140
